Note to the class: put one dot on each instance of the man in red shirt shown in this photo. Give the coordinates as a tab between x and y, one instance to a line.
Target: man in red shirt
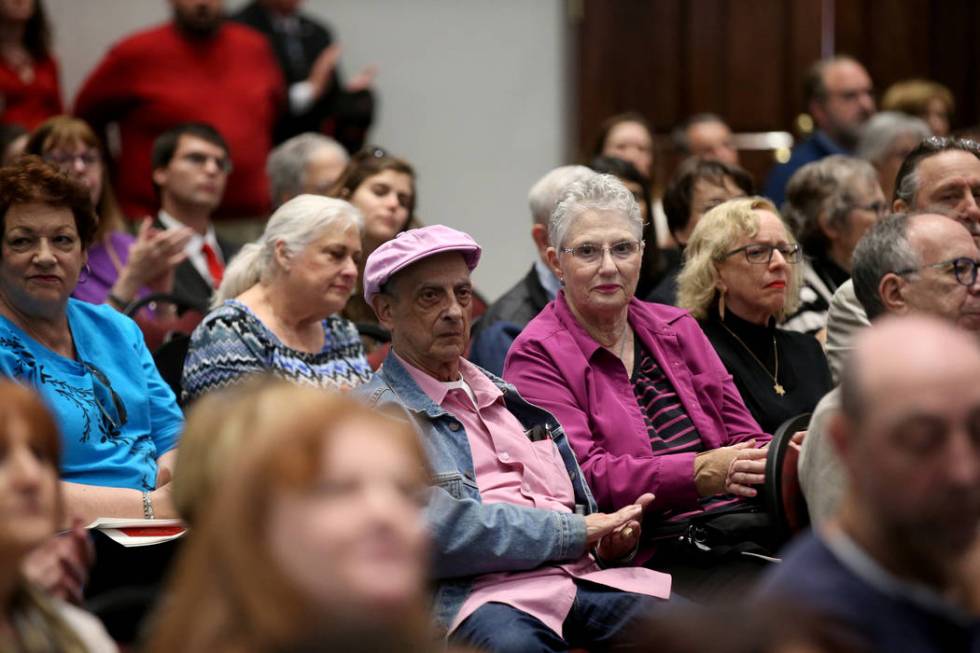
196	68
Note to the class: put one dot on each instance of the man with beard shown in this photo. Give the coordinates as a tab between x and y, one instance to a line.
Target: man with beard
196	68
839	97
898	564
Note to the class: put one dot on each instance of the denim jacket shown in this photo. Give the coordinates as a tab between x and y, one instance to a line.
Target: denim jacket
471	538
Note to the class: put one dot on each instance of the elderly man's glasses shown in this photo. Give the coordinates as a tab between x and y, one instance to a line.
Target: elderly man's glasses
67	159
762	253
592	253
963	269
199	159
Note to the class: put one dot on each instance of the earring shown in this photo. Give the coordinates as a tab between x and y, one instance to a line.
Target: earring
86	271
721	304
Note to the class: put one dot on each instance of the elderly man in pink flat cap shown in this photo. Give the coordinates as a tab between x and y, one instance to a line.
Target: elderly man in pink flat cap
524	561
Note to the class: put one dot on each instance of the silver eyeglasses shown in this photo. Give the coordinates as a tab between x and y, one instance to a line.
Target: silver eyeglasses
592	253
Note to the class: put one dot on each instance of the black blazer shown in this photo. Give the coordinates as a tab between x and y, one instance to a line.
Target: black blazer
346	116
189	285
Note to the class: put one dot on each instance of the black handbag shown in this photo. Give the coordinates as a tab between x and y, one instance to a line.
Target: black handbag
710	537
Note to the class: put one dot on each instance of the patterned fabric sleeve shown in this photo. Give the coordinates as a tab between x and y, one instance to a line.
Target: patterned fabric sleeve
221	353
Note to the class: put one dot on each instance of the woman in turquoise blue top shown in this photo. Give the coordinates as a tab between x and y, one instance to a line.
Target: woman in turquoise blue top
119	421
276	309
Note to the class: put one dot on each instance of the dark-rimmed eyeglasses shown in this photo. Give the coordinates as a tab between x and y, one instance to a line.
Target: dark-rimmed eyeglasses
761	253
593	253
200	159
964	269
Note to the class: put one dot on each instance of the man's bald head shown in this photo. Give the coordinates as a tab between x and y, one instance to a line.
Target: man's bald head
909	438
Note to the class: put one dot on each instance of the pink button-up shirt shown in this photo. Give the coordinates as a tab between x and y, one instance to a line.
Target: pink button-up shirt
512	469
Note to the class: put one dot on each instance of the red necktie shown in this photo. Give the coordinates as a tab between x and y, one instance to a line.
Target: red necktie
215	267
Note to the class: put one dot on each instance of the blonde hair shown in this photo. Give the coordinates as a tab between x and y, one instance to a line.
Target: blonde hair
715	235
912	96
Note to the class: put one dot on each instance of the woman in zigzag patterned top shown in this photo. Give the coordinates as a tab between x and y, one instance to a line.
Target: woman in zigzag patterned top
275	311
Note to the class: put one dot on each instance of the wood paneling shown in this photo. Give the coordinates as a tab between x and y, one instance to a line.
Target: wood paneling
746	59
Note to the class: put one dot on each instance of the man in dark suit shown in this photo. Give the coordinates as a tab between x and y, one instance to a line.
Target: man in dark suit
191	163
318	100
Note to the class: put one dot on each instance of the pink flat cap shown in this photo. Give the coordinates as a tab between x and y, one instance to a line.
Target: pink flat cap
412	246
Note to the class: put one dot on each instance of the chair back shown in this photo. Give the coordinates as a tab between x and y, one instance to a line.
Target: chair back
783	497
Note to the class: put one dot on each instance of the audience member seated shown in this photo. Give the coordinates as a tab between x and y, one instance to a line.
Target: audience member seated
308	163
627	136
706	136
32	511
924	99
496	329
518	543
840	99
168	75
382	188
697	187
830	203
895	567
120	268
276	309
885	142
315	542
942	173
654	260
637	387
119	421
191	163
742	276
318	99
29	82
923	263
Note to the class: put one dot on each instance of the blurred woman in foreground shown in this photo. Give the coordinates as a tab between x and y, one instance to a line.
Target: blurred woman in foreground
317	538
31	510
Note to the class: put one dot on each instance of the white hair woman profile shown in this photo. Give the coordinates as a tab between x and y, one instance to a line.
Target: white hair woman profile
742	275
276	309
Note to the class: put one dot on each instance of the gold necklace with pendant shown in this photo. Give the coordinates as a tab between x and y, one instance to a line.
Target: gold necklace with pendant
777	387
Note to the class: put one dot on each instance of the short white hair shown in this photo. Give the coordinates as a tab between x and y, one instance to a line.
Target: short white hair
296	224
286	165
602	193
547	191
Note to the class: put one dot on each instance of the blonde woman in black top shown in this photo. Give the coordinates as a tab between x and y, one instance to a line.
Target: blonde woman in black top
741	277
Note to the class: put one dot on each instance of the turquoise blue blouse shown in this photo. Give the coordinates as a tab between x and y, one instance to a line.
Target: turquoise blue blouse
117	416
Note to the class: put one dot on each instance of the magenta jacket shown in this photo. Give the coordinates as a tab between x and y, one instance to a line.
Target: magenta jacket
556	365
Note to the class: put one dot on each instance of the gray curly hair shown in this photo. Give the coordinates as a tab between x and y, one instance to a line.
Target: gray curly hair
602	193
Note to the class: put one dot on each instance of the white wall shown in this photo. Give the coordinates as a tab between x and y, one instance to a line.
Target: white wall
472	92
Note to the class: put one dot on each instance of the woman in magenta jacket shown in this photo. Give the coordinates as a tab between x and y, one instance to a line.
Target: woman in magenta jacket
641	393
